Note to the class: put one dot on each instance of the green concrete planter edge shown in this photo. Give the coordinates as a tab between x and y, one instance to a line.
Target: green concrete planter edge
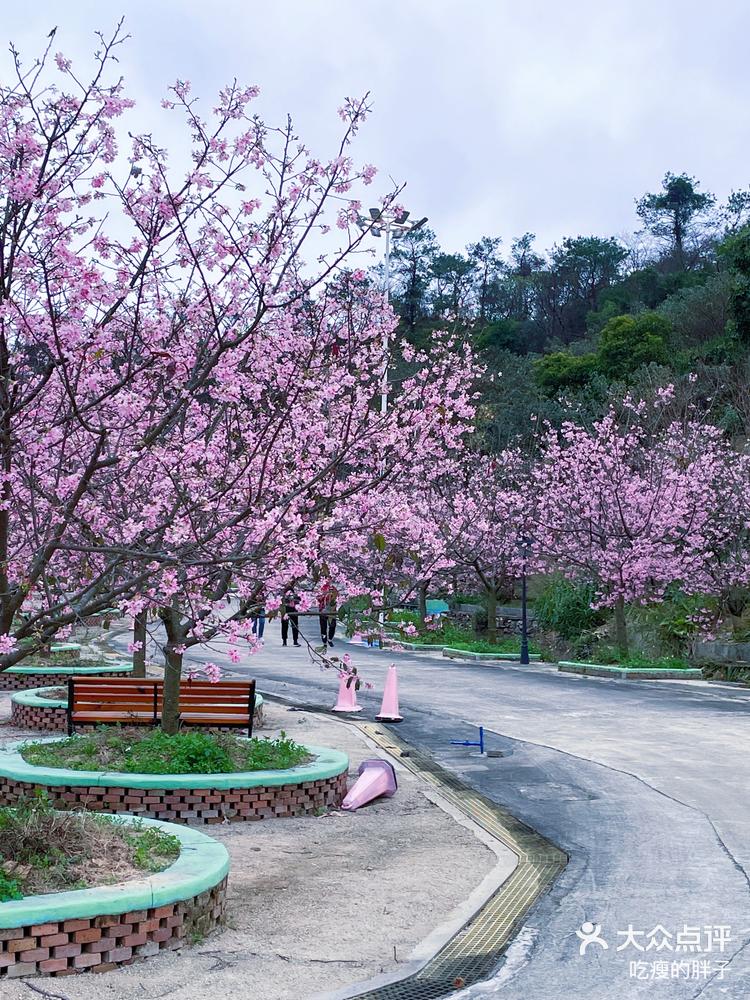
202	864
466	654
630	673
74	670
327	763
414	647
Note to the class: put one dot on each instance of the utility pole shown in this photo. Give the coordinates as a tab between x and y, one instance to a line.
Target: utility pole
394	225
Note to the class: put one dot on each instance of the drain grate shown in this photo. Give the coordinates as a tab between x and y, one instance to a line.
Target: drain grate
474	952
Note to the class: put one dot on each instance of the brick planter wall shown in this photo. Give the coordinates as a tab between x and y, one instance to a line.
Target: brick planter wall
50	719
53	719
182	805
99	944
20	682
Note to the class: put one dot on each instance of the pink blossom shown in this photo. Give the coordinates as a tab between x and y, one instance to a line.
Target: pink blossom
7	643
212	672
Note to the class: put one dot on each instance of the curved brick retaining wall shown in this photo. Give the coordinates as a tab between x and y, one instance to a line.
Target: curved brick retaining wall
95	930
51	718
23	678
100	944
250	795
28	710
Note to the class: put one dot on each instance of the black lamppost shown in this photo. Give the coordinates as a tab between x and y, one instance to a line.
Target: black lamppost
523	543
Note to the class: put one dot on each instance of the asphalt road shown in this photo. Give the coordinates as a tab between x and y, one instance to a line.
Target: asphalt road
643	784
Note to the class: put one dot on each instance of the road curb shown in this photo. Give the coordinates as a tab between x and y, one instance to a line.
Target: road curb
473	953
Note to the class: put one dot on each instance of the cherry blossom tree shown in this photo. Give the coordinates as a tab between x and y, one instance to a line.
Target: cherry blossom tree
386	547
128	297
298	461
630	508
185	400
726	565
484	511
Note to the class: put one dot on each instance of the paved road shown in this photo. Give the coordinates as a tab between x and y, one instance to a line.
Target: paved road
644	785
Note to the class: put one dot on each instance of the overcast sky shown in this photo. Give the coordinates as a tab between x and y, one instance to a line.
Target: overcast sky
501	117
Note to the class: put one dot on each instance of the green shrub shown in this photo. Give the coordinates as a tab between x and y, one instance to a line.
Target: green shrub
462	638
627	342
480	620
10	888
669	627
564	607
561	370
606	654
680	619
400	617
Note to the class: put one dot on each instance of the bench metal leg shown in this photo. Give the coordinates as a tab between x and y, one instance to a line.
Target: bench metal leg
71	696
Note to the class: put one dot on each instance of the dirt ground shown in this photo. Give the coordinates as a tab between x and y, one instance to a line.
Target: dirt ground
314	903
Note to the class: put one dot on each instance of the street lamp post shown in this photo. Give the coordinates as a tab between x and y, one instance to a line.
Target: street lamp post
394	224
386	345
524	545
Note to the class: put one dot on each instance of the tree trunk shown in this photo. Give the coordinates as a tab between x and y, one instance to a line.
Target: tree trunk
492	615
172	669
171	706
422	598
139	636
454	588
621	631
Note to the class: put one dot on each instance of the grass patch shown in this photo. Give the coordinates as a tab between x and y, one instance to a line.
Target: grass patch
461	638
42	850
136	751
609	657
65	658
506	645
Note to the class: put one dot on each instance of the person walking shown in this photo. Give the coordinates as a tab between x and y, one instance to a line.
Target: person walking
289	617
259	623
327	613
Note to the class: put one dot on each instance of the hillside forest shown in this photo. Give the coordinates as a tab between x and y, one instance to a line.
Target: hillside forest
563	331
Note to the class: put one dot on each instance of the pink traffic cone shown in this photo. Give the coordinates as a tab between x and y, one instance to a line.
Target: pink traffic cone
376	778
347	699
389	709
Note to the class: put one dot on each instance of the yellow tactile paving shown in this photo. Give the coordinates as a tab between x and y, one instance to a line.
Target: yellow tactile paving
476	948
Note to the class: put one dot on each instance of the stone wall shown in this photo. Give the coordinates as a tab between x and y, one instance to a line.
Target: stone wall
720	651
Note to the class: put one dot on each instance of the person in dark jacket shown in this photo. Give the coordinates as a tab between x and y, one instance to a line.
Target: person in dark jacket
289	617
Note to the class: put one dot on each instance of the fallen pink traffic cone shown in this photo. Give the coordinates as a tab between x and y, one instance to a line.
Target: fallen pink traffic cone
376	778
347	699
389	709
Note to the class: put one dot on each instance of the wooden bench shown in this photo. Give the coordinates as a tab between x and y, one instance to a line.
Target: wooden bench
138	701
